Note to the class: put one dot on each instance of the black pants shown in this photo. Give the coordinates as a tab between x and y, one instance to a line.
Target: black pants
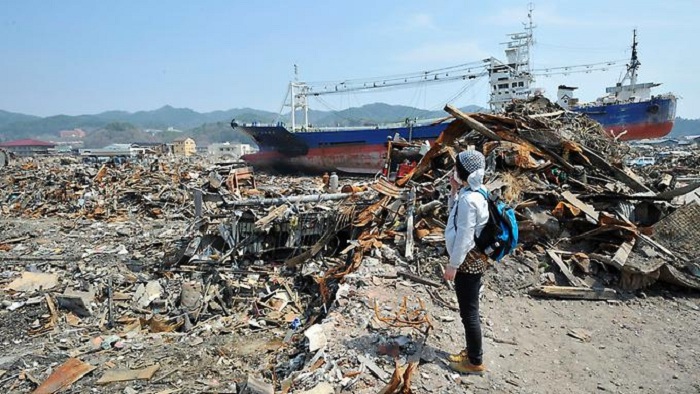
467	288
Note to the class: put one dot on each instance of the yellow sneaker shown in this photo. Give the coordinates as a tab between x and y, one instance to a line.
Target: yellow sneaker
459	357
468	368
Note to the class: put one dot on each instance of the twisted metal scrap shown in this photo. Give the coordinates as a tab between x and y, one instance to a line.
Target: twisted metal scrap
416	318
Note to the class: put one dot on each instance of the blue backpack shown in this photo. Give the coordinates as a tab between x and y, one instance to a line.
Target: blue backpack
500	234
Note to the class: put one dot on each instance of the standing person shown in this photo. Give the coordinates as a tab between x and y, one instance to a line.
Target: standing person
468	214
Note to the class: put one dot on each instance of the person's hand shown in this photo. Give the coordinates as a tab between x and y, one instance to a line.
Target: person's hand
450	273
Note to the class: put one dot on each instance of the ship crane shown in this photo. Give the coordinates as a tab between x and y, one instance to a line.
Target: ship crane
627	111
509	80
517	85
460	72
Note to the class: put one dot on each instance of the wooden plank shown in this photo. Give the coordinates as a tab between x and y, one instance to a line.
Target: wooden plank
274	214
125	375
547	115
619	174
575	293
573	280
623	253
372	366
472	123
409	224
586	208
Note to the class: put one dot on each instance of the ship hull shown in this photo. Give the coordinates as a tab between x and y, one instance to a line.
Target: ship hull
357	151
635	121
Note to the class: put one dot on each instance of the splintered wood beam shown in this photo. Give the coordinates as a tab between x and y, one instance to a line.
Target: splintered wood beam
472	123
573	280
409	224
617	173
587	209
575	293
418	279
623	253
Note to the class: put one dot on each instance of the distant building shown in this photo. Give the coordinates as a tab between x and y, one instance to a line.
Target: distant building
28	147
75	133
158	148
118	147
664	142
692	140
113	150
229	150
184	147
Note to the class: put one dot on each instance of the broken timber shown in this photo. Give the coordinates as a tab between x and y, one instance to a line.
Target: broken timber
474	124
574	293
573	280
409	224
418	279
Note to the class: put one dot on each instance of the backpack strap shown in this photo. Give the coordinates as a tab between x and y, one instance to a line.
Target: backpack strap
481	191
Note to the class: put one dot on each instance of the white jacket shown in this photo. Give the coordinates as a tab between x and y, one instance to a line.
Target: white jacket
472	213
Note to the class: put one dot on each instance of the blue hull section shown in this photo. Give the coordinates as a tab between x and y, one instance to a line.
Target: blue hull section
648	119
279	139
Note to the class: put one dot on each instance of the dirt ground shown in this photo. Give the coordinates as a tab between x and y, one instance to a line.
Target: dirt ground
646	343
641	343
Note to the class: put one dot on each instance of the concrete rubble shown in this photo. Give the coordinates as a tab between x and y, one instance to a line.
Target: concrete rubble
157	275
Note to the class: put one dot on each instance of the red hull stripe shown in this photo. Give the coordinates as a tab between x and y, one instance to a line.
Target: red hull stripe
642	131
349	158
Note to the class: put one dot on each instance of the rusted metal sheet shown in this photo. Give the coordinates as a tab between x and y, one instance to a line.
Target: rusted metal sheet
240	176
64	376
387	188
453	131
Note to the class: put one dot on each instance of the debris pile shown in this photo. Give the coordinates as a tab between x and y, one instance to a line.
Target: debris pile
595	223
118	190
177	255
64	187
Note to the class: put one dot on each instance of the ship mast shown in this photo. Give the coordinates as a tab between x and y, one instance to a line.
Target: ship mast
512	80
298	92
509	80
634	62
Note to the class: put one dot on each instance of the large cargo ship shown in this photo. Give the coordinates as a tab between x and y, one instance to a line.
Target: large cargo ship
628	112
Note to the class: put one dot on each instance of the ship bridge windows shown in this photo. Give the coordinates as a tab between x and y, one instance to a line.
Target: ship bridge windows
503	86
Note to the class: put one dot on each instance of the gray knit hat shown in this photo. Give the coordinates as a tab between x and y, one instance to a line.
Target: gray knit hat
471	160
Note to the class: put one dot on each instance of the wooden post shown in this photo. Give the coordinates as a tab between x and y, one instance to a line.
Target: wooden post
409	223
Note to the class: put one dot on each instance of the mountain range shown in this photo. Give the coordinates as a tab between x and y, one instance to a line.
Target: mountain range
208	127
214	126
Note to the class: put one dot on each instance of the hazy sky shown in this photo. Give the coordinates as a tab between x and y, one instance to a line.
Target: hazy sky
77	57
